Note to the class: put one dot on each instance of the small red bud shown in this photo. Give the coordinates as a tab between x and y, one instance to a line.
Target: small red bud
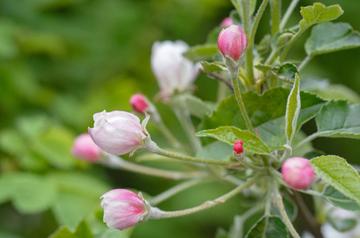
226	22
238	147
139	103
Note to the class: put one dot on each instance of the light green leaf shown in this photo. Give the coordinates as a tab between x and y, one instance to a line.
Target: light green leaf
229	134
213	67
201	52
293	107
338	119
318	13
335	171
329	37
340	200
29	193
62	232
196	106
268	227
342	224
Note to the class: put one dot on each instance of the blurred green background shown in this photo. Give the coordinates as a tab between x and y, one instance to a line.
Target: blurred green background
63	60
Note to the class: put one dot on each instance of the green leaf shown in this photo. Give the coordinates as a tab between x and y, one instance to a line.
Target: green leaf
216	150
335	171
266	113
83	230
229	134
201	52
293	107
340	200
29	193
213	67
318	13
197	107
268	227
63	232
329	37
338	119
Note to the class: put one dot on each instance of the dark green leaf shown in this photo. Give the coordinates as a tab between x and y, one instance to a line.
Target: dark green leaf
329	37
293	107
335	171
268	227
229	134
338	119
342	224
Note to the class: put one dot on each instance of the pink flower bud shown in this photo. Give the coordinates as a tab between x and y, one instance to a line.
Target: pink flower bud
238	147
226	22
139	103
298	173
123	208
232	42
118	132
85	148
173	71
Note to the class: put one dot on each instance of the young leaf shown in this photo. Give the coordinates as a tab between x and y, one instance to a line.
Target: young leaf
340	200
338	173
293	107
329	37
318	13
63	232
342	224
201	52
229	134
338	119
268	227
212	67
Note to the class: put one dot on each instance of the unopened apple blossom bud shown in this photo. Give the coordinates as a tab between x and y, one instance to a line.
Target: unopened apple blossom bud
118	132
139	103
84	148
298	173
232	42
123	208
226	22
238	147
173	71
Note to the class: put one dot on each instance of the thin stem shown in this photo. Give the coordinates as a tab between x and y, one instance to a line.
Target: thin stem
287	48
258	16
280	204
173	191
185	121
288	13
238	230
249	57
153	147
307	139
240	101
304	62
159	214
275	16
116	162
221	93
167	133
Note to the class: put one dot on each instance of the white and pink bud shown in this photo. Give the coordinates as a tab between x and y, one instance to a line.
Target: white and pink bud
238	147
226	22
298	173
118	132
140	103
84	148
232	42
173	71
123	208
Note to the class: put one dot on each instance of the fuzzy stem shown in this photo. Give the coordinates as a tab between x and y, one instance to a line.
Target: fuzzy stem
288	13
280	204
275	16
154	148
240	101
116	162
304	62
156	213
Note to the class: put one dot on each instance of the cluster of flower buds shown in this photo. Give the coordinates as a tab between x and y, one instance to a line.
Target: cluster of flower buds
298	173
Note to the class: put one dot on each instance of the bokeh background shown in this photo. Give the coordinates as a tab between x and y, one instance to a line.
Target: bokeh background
63	60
